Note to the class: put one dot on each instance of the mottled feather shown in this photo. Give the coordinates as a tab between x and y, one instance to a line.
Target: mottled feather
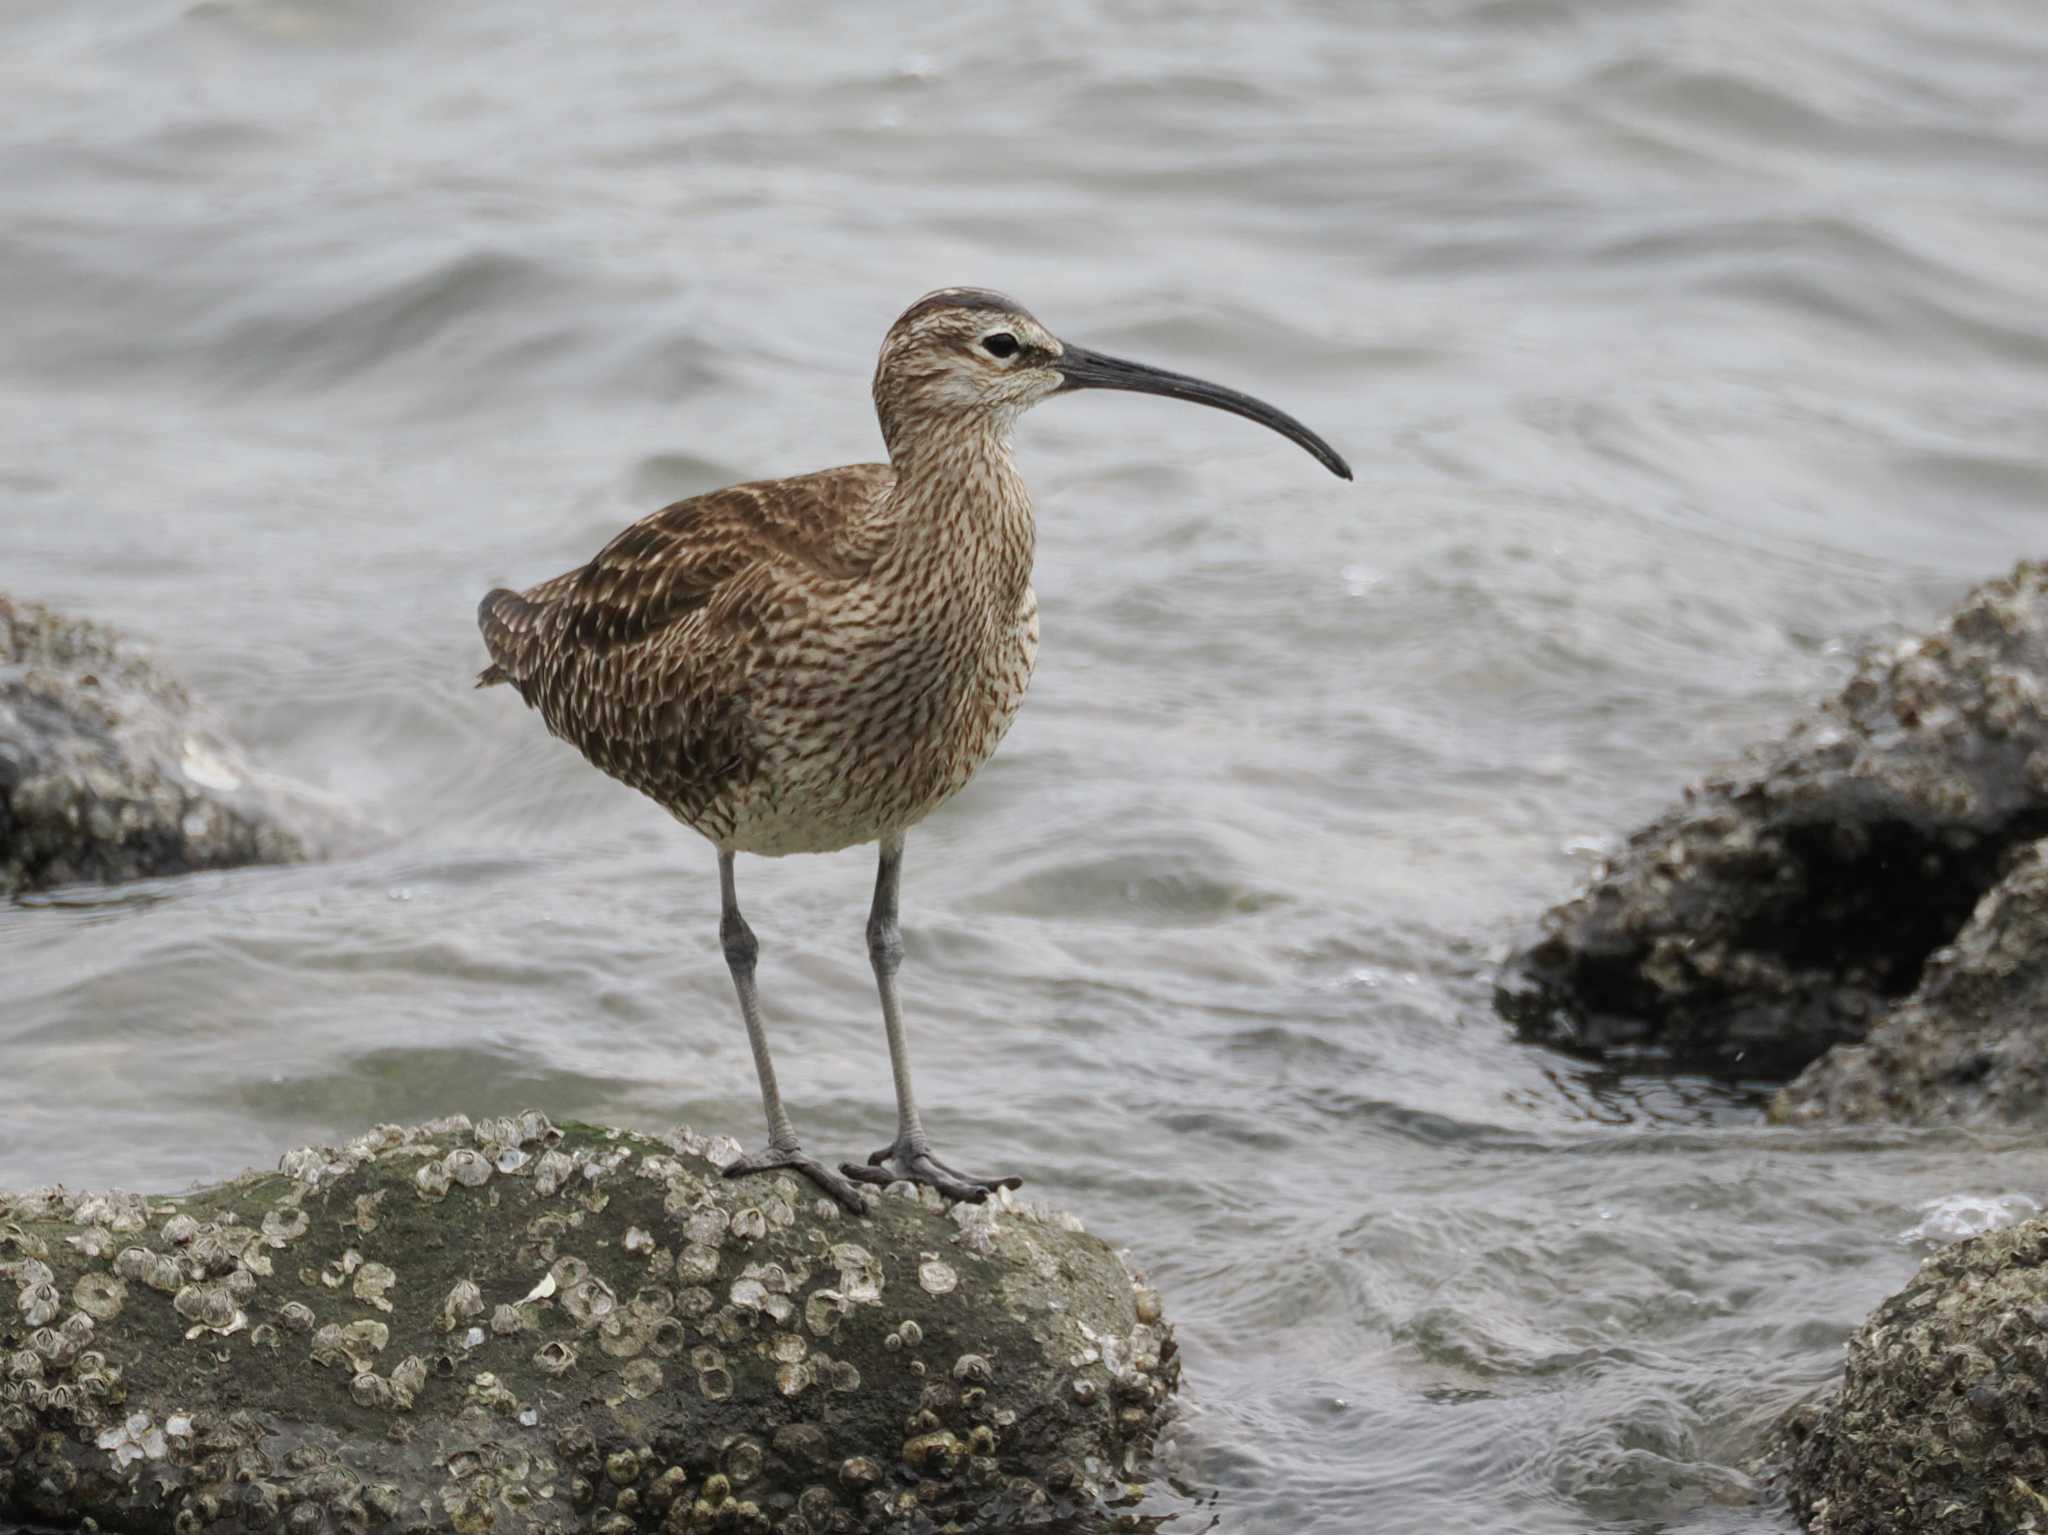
671	562
673	658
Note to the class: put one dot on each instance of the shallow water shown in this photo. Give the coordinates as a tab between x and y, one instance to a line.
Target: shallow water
1681	347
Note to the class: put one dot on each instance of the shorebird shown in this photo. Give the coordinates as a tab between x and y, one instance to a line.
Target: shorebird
814	663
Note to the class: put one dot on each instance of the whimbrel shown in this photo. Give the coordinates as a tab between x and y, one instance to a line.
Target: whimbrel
809	664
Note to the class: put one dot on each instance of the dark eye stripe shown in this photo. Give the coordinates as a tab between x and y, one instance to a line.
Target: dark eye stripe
1001	344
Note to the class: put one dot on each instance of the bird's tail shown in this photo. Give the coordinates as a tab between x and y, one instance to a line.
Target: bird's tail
506	619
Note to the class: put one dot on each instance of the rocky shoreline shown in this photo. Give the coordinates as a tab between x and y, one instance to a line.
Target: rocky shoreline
465	1327
1851	892
1860	910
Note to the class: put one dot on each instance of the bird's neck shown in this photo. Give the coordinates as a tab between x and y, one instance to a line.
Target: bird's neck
961	501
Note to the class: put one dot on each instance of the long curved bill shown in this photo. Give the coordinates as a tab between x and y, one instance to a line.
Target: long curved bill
1083	369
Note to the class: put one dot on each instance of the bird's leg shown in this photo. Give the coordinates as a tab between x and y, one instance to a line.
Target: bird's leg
784	1150
911	1155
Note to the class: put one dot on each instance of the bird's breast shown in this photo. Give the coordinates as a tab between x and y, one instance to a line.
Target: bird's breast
873	720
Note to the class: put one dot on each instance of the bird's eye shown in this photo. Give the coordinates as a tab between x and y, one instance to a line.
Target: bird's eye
1001	344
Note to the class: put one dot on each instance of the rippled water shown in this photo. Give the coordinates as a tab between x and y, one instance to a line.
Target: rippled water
1681	346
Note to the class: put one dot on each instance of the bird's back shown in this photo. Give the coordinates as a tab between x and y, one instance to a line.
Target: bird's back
643	657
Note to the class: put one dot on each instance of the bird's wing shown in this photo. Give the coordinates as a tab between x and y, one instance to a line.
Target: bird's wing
671	563
639	657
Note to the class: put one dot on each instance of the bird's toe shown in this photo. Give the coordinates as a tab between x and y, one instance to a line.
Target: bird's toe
839	1187
901	1163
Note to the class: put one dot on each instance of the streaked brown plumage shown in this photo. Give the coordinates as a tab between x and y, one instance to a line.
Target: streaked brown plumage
806	664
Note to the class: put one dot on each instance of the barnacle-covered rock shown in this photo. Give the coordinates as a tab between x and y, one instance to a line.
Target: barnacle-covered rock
1940	1424
601	1333
1784	908
108	772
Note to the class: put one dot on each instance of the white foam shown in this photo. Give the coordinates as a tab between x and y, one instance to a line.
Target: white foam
1956	1216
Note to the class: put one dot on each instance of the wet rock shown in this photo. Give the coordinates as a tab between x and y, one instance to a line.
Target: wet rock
1783	908
1970	1045
634	1343
1940	1425
108	773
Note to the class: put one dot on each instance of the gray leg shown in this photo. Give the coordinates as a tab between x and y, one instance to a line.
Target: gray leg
784	1150
910	1156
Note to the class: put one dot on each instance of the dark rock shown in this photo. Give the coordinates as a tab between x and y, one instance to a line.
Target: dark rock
460	1327
106	770
1940	1425
1782	908
1971	1044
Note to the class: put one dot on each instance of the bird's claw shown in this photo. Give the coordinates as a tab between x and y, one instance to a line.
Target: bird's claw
914	1163
792	1158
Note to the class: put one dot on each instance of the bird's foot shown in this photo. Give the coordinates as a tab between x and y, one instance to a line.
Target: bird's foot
791	1156
912	1160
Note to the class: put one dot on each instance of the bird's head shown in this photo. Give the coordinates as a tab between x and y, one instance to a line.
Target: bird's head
962	357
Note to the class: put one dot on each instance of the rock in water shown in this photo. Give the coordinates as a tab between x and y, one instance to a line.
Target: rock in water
1781	909
1970	1045
509	1326
1937	1426
107	774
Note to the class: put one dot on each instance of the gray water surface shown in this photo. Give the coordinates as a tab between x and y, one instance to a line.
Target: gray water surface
1681	347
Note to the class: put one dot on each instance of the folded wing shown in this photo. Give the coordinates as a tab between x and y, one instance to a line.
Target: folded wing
637	657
